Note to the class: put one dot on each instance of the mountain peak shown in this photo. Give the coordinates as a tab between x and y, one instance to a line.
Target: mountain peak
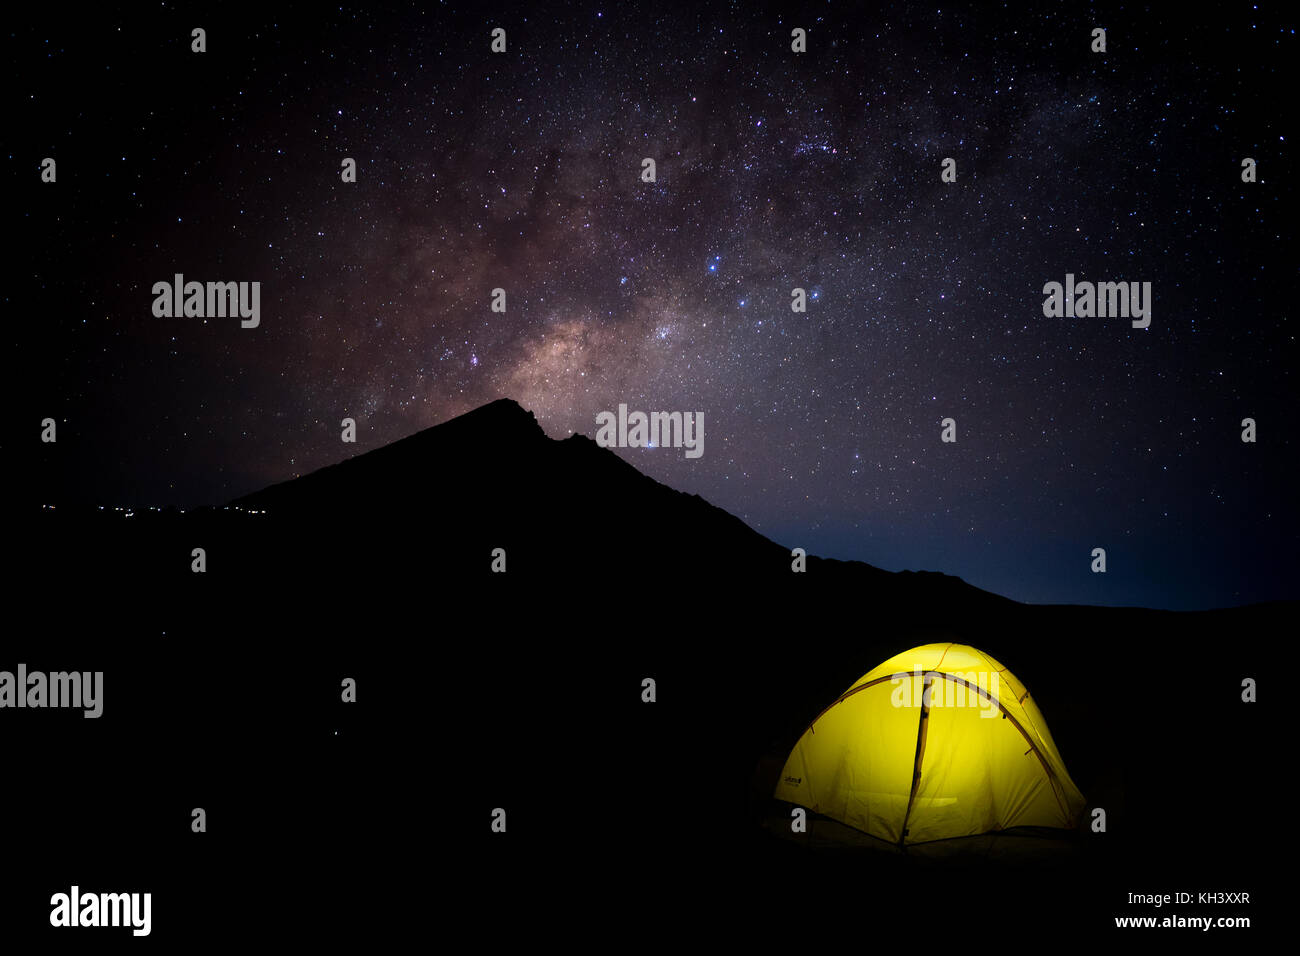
504	418
491	438
502	409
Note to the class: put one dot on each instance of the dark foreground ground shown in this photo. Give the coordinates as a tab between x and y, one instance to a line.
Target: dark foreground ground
627	822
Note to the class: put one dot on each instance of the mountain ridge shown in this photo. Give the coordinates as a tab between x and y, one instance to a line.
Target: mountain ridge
502	438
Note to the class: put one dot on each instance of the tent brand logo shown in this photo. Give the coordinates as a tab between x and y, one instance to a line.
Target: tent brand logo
948	690
58	689
103	909
794	781
656	430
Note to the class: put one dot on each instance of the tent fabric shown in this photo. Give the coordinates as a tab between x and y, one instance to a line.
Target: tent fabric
985	758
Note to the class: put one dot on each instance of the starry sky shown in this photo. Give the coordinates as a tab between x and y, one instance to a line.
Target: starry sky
775	170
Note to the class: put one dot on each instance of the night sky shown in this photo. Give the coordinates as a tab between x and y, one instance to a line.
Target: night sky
775	170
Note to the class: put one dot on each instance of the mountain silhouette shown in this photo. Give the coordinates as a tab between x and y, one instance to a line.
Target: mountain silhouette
491	478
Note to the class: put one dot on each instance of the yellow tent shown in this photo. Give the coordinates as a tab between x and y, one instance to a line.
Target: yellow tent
940	741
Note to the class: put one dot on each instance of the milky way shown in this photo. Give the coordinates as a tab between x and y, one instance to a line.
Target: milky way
775	170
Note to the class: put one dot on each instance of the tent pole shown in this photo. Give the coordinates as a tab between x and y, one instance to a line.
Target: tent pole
920	754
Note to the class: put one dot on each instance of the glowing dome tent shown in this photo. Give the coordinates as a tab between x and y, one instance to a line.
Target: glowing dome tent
940	741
